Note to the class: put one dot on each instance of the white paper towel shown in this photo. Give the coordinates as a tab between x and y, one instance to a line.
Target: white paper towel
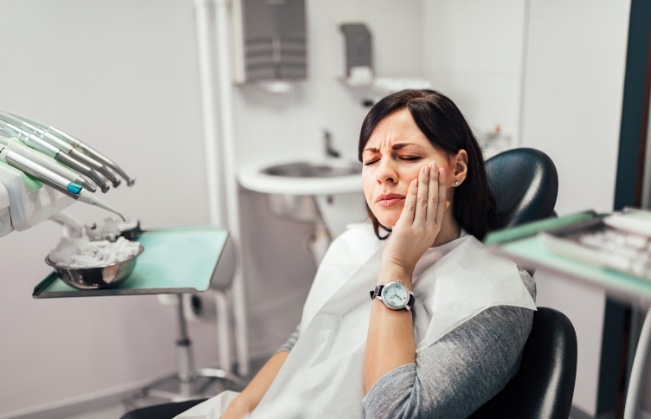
360	76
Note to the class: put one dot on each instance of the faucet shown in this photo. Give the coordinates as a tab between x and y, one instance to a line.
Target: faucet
330	152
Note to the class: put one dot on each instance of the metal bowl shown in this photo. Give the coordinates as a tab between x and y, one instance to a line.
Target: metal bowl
99	277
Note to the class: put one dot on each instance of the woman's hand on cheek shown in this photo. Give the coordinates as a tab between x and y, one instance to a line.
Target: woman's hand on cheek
420	221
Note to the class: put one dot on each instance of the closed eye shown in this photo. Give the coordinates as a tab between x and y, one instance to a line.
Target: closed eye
410	158
370	162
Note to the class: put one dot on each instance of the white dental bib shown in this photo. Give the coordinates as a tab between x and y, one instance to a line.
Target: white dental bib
452	283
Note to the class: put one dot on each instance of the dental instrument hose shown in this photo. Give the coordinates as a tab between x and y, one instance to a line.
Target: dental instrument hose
53	180
78	145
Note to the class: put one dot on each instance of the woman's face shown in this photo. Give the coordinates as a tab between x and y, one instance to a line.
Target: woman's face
392	158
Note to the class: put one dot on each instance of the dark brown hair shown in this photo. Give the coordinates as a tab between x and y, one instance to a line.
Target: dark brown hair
446	129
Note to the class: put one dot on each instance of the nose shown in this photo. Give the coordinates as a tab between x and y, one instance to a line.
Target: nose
386	172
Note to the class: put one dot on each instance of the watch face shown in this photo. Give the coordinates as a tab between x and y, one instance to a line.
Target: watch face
395	295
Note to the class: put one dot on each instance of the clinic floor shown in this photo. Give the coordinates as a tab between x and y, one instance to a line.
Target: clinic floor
115	411
111	412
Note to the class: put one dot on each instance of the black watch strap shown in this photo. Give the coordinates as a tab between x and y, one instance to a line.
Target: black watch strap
411	302
377	291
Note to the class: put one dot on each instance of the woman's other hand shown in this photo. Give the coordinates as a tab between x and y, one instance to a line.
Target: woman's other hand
420	221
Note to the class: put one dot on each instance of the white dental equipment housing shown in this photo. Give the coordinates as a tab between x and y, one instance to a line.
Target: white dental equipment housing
20	208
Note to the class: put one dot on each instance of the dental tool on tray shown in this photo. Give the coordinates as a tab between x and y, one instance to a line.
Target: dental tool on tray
12	129
53	179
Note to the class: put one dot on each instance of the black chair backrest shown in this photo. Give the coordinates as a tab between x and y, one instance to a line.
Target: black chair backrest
544	385
524	183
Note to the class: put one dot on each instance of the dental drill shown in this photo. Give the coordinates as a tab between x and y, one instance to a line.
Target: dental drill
77	145
61	145
53	179
9	129
18	147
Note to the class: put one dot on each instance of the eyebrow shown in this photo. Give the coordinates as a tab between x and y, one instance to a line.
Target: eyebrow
397	146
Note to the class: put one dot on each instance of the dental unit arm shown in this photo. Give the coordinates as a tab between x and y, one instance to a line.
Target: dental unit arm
39	178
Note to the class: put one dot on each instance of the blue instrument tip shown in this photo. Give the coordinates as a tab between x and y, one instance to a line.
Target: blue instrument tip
74	188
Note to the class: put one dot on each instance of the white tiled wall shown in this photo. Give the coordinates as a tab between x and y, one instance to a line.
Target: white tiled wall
473	52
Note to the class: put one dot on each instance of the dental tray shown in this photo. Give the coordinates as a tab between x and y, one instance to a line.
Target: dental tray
176	260
620	242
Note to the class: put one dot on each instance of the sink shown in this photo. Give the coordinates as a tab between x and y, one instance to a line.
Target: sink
305	169
302	176
324	192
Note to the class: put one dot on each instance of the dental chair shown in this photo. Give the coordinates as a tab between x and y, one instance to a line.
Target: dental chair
544	385
524	182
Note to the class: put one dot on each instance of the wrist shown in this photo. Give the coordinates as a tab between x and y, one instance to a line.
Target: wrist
390	272
242	402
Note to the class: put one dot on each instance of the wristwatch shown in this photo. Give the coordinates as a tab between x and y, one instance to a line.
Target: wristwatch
394	295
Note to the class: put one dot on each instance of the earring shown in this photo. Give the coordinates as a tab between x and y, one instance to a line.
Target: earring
456	183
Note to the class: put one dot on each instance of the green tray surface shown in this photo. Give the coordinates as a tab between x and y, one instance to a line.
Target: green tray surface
176	260
527	248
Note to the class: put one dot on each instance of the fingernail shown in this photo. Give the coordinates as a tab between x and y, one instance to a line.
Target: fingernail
426	170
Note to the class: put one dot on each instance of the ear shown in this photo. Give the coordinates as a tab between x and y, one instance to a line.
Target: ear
460	167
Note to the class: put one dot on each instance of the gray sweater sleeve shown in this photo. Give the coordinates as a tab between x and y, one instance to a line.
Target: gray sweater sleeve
460	372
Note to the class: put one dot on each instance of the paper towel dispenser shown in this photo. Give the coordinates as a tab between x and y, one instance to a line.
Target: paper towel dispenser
270	40
358	54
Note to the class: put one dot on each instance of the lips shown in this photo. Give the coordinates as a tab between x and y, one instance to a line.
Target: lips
387	200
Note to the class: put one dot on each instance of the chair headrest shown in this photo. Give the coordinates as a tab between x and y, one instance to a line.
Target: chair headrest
524	182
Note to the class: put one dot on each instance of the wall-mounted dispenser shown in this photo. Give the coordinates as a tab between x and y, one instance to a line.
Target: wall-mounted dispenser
270	40
358	66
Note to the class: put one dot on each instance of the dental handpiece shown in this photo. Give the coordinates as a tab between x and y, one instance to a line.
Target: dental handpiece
78	145
65	148
85	148
38	144
52	179
18	147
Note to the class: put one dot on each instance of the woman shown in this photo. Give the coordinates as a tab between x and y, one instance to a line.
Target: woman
446	322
